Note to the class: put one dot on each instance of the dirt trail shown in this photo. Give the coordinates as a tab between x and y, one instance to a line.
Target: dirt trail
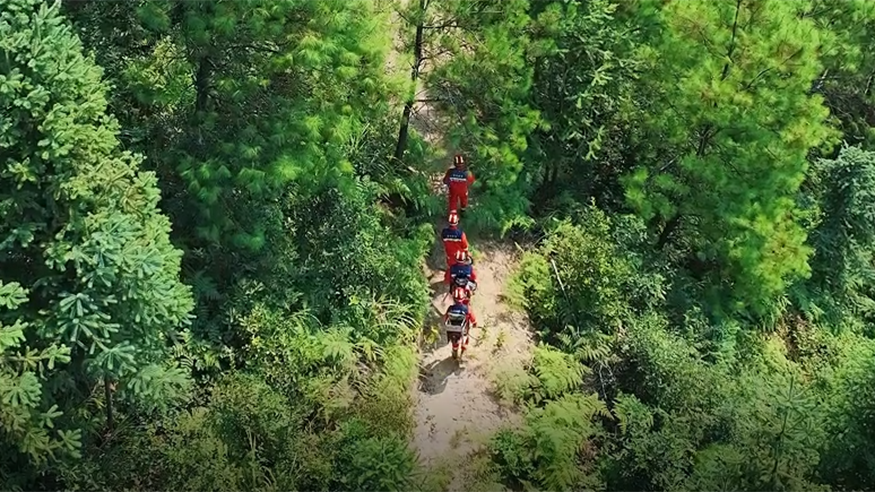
455	410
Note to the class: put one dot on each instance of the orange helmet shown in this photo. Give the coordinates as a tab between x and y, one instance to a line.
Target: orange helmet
458	160
453	218
462	256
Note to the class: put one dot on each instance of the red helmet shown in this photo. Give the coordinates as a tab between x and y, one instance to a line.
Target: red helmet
460	294
453	218
462	256
458	160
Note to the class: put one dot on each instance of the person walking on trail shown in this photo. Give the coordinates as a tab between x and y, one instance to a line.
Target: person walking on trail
462	294
454	239
458	178
461	272
461	315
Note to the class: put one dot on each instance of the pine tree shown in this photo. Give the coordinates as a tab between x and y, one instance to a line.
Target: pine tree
848	461
279	89
847	81
774	443
584	87
81	231
246	103
845	235
732	123
27	424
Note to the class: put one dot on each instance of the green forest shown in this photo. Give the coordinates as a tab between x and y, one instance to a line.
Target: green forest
219	219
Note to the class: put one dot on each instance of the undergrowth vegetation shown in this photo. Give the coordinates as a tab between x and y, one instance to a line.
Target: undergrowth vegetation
633	395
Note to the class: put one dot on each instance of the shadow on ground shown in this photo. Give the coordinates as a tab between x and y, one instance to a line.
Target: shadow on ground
433	378
439	287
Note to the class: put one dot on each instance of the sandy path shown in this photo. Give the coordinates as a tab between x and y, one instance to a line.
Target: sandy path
455	410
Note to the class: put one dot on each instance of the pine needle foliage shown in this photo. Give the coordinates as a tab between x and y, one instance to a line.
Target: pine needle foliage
585	72
731	128
700	279
488	41
842	265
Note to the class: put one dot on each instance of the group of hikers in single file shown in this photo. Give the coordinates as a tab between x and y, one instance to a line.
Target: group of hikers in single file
460	277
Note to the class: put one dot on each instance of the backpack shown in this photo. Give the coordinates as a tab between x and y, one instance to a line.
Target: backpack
456	320
461	274
450	234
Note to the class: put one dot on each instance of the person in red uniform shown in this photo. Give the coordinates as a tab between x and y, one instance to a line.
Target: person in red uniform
461	271
464	312
462	294
454	239
458	178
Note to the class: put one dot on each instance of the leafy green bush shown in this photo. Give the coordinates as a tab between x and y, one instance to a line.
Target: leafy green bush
849	418
553	444
550	375
374	463
582	282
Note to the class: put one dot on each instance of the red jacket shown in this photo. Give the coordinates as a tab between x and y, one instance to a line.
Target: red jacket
458	180
454	240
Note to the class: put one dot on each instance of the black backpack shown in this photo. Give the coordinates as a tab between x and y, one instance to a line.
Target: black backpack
456	320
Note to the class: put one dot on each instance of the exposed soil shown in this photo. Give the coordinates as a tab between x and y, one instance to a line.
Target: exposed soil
455	408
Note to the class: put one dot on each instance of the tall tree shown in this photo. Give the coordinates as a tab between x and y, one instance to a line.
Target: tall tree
416	16
584	87
847	82
278	89
843	276
732	123
246	104
81	231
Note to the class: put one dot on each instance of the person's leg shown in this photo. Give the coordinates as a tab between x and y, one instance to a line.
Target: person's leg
463	202
451	202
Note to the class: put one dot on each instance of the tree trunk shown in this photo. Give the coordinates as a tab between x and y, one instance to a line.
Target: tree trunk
202	85
107	392
670	227
403	133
